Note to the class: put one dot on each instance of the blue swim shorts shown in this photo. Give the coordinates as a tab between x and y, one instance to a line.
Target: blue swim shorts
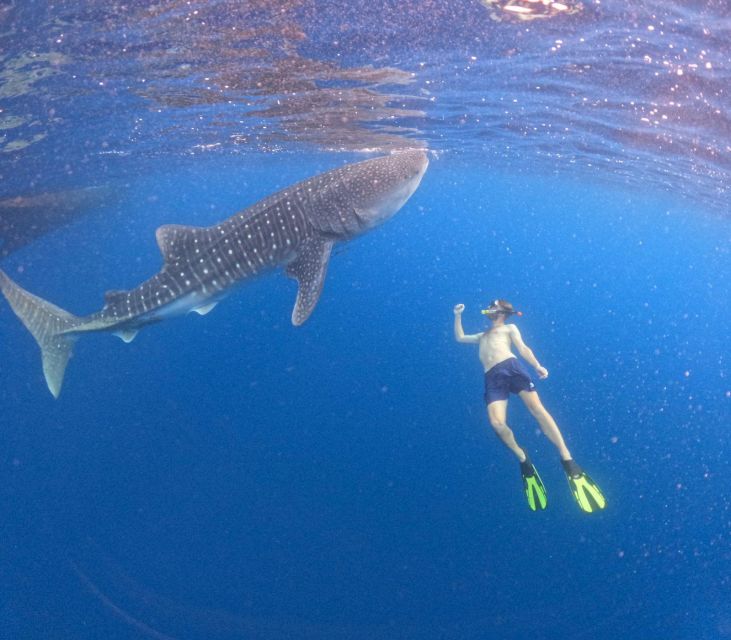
506	377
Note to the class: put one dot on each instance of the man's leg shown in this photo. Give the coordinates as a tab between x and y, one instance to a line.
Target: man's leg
497	413
546	421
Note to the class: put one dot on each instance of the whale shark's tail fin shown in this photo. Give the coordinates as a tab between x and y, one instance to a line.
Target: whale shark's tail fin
49	325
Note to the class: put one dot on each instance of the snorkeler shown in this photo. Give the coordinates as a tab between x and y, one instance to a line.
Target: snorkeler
504	374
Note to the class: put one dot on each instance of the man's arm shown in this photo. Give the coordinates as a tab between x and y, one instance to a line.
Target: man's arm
526	353
459	334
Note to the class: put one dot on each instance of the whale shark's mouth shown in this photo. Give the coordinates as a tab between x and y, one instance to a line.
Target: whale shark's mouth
396	199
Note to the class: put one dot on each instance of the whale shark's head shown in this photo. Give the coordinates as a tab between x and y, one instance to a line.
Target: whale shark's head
380	187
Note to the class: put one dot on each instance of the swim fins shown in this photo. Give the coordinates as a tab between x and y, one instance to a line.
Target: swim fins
586	492
535	492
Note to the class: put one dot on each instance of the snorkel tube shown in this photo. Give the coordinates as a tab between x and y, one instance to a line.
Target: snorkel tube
496	308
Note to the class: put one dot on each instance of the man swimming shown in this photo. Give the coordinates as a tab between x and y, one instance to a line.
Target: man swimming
504	374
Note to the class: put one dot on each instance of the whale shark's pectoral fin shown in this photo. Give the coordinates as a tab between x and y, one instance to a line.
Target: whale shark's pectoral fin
309	269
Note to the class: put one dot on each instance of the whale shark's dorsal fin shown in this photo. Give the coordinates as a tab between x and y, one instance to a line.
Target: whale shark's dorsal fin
177	241
113	296
309	269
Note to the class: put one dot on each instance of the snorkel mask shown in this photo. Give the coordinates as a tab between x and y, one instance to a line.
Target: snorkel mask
495	308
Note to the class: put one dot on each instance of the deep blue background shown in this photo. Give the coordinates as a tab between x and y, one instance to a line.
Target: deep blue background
233	476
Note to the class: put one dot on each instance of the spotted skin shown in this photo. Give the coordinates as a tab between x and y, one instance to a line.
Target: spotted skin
295	228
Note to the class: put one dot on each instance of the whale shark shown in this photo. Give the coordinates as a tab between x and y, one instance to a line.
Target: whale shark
294	228
25	218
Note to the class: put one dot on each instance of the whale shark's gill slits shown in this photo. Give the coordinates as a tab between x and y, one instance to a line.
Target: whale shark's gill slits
280	226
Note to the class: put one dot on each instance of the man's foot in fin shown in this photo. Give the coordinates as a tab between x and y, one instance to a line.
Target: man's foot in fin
535	492
587	494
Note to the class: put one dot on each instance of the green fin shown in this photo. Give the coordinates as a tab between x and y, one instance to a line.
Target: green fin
586	492
535	492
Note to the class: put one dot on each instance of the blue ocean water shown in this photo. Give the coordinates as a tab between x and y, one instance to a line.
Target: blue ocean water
232	476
